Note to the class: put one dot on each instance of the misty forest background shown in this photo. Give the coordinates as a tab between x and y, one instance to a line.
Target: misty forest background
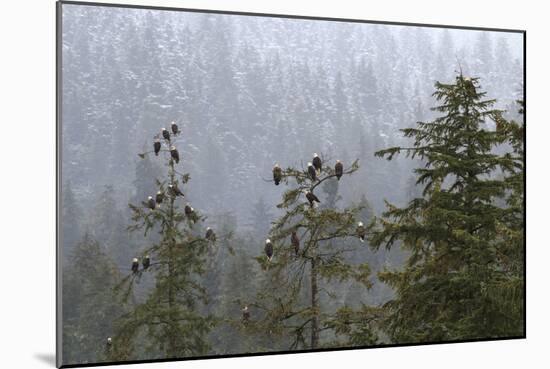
246	92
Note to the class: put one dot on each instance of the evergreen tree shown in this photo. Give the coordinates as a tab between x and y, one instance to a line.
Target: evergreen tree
89	305
464	247
170	314
288	305
238	288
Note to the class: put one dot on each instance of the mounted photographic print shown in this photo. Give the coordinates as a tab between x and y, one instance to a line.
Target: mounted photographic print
241	184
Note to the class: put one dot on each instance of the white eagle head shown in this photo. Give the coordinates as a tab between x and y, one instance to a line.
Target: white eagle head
134	260
267	241
315	155
360	224
309	164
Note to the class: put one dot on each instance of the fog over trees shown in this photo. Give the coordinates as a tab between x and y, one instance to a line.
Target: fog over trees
247	93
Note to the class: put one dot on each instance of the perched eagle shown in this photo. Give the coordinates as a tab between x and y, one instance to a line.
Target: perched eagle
470	85
361	231
246	314
295	242
338	169
166	134
109	341
210	235
175	154
135	265
146	262
174	190
317	162
268	249
175	129
151	203
189	212
311	172
310	196
277	174
156	147
159	198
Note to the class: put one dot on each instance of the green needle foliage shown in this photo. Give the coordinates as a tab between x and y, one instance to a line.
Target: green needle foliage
464	275
291	304
170	315
90	306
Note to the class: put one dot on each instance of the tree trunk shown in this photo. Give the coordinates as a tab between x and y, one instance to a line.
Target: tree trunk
172	319
314	306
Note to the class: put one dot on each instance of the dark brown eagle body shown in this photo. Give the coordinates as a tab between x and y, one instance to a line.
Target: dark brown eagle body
175	154
146	262
268	249
311	172
135	265
310	196
165	134
175	129
277	174
338	169
210	235
159	198
361	231
317	163
156	147
151	203
174	190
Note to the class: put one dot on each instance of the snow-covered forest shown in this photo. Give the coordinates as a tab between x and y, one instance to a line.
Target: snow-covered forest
246	93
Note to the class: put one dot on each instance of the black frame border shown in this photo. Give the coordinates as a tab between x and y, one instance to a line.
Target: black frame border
58	119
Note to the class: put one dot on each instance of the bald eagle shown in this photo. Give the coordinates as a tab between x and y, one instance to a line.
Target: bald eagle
174	190
470	85
311	172
166	134
135	265
268	249
295	242
210	235
156	146
338	169
151	203
175	129
317	162
361	231
109	341
146	262
190	212
310	196
159	198
277	174
175	154
246	314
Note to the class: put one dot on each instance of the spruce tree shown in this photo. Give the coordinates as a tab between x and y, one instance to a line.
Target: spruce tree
289	306
89	304
464	245
170	316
